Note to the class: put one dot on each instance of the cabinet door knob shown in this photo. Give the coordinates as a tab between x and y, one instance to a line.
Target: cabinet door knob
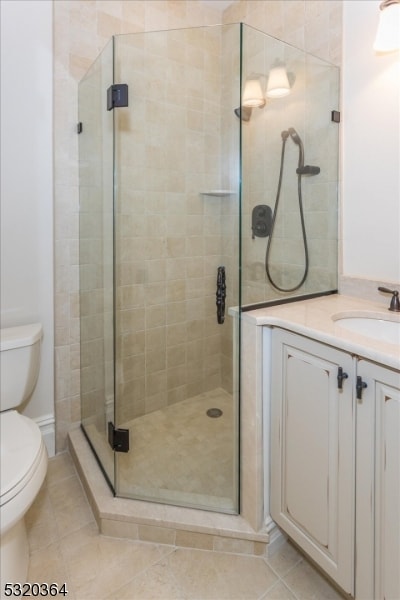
340	376
360	386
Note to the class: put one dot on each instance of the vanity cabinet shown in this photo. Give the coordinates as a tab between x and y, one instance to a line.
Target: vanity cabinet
312	452
335	462
378	483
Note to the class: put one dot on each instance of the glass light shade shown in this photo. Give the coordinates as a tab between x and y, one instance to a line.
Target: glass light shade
278	82
388	34
253	95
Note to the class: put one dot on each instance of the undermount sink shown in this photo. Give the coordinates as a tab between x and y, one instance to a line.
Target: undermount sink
382	328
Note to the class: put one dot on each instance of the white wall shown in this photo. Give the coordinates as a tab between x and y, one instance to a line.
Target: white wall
371	149
27	185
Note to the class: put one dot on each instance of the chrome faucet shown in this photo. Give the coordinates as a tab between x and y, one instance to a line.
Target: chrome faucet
395	302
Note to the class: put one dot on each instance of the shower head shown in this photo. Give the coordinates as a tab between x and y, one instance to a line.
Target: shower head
285	135
295	136
297	140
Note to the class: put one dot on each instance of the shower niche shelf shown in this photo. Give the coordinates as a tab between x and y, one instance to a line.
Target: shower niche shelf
217	193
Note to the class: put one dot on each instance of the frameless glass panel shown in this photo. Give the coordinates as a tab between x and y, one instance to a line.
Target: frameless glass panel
290	171
177	236
166	259
96	257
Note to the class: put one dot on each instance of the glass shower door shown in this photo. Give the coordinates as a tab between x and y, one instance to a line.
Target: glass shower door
96	279
176	229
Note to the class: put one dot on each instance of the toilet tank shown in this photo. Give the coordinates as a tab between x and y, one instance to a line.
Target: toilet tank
19	363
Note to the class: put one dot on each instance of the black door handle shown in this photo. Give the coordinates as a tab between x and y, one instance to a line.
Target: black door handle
340	377
360	386
221	295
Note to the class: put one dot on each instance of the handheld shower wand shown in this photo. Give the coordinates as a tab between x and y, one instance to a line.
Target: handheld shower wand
301	170
297	140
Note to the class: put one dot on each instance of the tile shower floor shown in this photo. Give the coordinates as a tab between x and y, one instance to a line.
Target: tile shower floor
65	546
178	454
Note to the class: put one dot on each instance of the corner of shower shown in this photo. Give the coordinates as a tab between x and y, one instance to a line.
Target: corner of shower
159	273
172	249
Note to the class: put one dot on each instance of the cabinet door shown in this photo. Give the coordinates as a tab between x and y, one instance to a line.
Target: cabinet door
378	484
312	452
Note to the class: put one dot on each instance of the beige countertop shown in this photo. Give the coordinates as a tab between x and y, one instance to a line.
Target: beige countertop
315	318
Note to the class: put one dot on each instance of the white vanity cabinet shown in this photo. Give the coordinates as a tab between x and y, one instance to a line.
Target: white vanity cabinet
335	462
378	484
312	451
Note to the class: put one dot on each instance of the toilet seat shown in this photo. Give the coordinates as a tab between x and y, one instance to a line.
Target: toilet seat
23	465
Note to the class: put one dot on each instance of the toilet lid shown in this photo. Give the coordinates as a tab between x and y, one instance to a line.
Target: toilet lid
20	444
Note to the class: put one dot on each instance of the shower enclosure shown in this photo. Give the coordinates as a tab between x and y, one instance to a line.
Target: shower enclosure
172	167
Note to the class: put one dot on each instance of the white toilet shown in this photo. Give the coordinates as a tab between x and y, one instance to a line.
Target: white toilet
23	454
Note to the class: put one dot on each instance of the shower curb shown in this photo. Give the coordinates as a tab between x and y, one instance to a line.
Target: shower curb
160	523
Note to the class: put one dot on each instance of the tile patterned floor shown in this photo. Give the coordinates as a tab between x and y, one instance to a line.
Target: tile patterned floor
65	546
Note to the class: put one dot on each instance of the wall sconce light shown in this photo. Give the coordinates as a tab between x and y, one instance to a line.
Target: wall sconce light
252	97
279	81
279	85
388	33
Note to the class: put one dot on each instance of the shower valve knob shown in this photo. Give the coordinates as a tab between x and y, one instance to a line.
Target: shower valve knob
260	229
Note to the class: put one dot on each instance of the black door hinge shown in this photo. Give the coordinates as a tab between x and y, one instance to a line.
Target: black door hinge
335	116
118	438
79	127
117	95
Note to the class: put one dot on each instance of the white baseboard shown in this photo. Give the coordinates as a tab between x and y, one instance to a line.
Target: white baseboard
47	426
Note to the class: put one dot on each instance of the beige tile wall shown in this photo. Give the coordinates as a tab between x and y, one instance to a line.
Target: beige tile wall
169	235
315	27
81	30
314	94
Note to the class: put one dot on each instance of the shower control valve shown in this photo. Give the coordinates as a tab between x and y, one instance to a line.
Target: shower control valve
261	221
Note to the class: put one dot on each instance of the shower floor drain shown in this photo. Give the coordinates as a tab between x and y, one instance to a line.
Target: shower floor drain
214	412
